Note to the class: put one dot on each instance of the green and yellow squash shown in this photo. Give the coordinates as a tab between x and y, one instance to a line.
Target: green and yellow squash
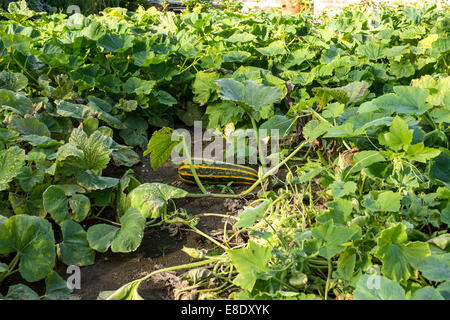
216	172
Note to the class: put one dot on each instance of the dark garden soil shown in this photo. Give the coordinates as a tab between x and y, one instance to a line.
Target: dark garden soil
161	246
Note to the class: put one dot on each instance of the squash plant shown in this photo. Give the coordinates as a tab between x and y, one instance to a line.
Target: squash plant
369	95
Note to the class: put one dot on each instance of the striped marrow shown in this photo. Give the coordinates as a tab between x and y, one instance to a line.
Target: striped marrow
216	172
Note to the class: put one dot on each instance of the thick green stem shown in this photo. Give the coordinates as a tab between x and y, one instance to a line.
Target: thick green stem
273	170
152	224
325	120
208	237
191	165
213	195
106	220
258	142
253	186
186	223
11	267
99	212
24	70
180	267
216	215
327	285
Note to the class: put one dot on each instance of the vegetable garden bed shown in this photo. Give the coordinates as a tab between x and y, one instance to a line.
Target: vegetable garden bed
88	108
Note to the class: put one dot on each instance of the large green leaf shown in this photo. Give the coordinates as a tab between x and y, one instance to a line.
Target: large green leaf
236	56
365	159
402	69
221	113
21	292
251	263
399	135
7	136
13	81
29	178
439	167
138	86
93	31
204	87
372	50
74	249
151	198
58	199
445	215
388	201
72	110
100	236
17	42
32	238
160	147
86	76
324	95
240	37
434	267
333	237
89	153
340	189
116	42
193	113
333	110
298	56
41	141
444	290
314	129
251	93
15	102
439	89
343	131
397	254
376	287
11	163
127	158
56	287
418	152
127	238
409	100
165	98
275	48
355	91
339	211
278	122
131	232
427	293
30	203
29	126
92	182
250	214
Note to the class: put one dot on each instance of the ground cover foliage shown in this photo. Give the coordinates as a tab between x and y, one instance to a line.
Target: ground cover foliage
364	212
